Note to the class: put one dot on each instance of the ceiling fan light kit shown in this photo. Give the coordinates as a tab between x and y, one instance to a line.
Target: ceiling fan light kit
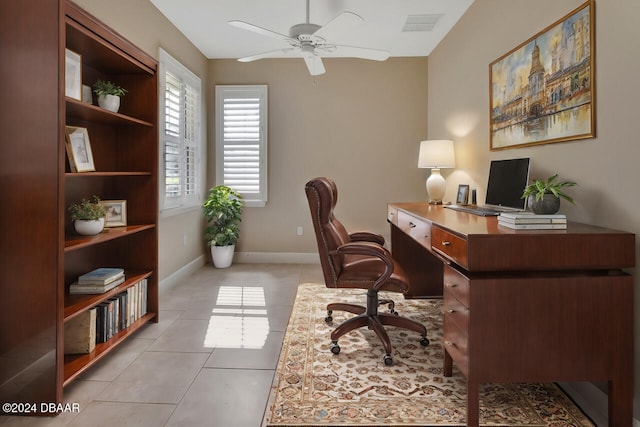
312	42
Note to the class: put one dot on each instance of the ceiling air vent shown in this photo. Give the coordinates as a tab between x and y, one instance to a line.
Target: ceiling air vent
421	22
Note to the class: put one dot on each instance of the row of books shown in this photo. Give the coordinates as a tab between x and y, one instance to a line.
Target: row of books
98	281
100	323
121	311
531	221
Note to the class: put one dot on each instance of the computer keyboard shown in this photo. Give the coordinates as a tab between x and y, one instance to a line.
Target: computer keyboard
475	210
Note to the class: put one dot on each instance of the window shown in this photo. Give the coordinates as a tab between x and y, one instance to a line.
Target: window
241	141
181	138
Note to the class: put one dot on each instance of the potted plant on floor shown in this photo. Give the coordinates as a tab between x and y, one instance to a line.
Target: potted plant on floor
88	216
223	212
109	94
543	197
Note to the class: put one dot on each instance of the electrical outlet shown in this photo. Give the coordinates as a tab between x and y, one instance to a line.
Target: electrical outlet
300	232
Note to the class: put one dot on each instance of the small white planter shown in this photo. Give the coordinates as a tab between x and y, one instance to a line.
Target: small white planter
222	255
109	102
89	228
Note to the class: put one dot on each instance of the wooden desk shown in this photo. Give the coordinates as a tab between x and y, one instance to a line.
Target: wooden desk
525	306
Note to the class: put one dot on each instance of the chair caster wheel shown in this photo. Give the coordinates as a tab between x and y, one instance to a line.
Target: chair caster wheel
388	360
329	317
424	342
335	348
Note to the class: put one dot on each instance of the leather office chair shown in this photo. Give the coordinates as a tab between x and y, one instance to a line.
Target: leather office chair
356	260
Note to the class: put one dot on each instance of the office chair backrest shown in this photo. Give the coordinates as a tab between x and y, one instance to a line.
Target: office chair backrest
322	195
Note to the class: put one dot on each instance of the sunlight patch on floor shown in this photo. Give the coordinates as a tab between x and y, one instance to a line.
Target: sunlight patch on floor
239	319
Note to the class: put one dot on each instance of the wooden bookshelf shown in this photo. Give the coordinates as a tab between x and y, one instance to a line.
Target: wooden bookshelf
41	255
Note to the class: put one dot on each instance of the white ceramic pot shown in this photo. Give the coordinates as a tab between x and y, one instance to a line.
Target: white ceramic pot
109	102
222	255
89	228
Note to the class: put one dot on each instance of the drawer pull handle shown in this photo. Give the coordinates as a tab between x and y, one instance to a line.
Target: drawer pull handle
412	225
451	310
449	343
451	285
446	243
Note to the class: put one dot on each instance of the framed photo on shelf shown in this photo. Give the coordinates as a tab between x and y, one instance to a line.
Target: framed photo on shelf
116	212
79	149
73	75
463	194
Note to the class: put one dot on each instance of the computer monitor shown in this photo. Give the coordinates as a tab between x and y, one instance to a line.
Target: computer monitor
507	180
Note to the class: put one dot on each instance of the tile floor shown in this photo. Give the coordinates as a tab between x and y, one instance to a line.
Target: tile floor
208	362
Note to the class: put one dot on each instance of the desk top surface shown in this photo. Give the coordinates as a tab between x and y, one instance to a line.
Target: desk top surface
466	224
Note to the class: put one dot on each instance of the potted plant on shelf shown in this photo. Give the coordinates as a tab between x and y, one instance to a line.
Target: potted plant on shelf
543	197
223	212
109	94
88	216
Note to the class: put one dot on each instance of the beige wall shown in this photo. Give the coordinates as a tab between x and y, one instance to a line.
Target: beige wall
606	167
360	124
180	236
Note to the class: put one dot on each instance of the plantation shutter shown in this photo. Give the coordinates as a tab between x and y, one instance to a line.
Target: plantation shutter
180	135
172	144
241	141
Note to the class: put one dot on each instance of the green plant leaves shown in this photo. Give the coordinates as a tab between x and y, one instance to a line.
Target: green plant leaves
223	211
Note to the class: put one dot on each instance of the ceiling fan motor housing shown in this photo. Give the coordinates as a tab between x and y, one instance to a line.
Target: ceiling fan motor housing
303	32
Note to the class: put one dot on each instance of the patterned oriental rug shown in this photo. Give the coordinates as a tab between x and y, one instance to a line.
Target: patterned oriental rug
313	387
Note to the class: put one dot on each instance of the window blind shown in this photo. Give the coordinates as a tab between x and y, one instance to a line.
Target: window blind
242	141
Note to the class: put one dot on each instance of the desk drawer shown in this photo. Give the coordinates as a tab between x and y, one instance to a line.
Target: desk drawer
456	285
392	215
418	229
455	343
450	246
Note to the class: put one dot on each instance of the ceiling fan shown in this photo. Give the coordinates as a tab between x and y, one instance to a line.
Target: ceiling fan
311	42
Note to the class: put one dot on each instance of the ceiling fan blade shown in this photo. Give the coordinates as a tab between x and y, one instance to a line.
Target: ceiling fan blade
338	26
272	54
337	51
314	64
259	30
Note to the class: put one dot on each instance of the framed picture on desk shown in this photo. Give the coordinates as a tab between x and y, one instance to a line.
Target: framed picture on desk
463	195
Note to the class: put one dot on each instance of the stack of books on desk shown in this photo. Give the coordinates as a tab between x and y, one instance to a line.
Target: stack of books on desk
98	281
531	221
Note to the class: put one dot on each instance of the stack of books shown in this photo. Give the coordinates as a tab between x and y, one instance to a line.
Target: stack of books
98	281
531	221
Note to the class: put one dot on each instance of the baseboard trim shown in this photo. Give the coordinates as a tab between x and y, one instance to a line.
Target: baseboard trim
182	273
276	258
594	402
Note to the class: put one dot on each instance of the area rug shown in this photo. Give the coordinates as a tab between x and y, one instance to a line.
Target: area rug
313	387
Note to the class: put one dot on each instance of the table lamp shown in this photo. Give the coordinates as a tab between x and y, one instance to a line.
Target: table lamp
436	154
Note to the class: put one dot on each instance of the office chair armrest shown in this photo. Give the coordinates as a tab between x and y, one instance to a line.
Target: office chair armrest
374	250
367	236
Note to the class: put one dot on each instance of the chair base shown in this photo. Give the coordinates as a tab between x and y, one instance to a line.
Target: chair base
368	316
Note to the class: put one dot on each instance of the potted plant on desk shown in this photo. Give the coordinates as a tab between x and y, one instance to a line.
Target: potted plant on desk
543	197
223	212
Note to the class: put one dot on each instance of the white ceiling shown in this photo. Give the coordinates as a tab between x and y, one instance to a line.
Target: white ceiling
205	23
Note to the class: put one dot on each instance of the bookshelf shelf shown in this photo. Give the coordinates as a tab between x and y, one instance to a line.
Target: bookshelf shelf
75	304
76	242
75	364
90	112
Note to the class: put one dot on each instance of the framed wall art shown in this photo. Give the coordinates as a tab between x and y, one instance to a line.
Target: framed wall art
79	149
116	212
543	91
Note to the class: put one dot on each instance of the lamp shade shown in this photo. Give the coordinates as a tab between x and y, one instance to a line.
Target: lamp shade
436	153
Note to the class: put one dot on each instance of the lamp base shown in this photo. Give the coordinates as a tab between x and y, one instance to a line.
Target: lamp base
435	187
